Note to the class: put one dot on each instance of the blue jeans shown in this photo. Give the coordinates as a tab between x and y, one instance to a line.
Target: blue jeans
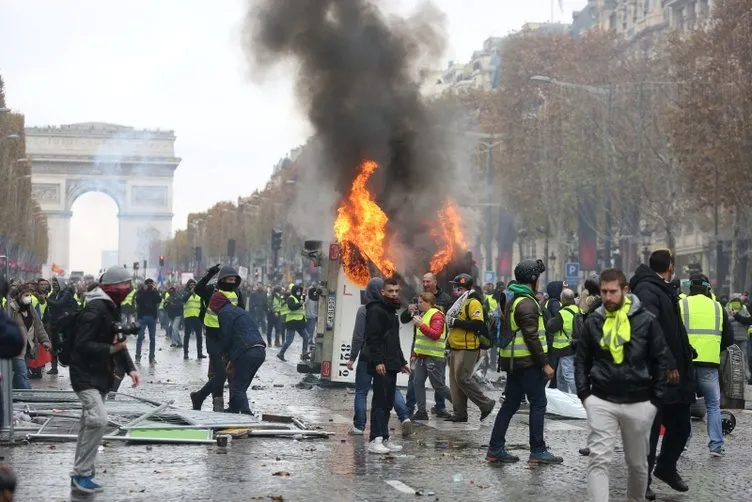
565	375
311	329
151	323
522	382
291	336
20	374
244	368
412	402
362	386
177	336
709	386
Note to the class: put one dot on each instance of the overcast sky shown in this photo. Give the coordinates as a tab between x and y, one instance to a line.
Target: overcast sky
179	64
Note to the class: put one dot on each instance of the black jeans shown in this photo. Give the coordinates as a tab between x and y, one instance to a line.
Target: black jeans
216	384
193	325
676	419
382	402
244	367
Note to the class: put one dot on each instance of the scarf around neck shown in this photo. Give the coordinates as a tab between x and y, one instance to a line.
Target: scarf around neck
617	331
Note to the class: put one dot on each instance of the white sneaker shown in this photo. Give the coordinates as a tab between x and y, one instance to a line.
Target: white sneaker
377	446
354	431
391	446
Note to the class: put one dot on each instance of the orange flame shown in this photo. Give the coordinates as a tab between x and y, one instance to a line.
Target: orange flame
360	229
450	238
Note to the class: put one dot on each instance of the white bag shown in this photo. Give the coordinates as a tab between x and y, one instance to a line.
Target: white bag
563	404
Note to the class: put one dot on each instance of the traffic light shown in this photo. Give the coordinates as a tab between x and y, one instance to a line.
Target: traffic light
145	267
135	265
161	261
198	254
276	239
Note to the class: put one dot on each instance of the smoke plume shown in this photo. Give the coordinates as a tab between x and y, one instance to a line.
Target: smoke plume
357	73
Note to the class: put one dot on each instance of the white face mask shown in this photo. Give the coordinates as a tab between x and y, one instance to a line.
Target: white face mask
26	300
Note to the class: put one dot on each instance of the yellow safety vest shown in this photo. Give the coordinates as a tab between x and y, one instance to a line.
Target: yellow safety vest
295	315
492	303
211	320
425	346
4	302
192	307
563	338
703	319
276	303
518	347
283	310
164	299
460	338
129	299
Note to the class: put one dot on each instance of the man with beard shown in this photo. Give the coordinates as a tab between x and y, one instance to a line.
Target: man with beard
620	373
651	285
385	361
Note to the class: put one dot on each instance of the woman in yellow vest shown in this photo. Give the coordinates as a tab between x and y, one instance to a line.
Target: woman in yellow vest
428	353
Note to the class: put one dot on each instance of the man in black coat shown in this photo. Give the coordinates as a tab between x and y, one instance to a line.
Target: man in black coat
651	286
385	361
95	354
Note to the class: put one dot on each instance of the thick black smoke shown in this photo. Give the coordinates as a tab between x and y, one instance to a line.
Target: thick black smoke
357	80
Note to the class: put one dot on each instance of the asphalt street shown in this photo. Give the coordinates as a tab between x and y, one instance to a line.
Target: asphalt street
440	460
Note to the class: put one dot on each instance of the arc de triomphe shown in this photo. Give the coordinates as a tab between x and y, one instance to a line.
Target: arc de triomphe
134	167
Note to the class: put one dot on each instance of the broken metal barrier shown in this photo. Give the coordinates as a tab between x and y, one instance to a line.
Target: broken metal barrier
137	420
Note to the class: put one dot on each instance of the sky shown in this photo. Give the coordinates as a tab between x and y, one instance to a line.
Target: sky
180	65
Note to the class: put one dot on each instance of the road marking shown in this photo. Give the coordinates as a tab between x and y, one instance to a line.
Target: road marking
399	486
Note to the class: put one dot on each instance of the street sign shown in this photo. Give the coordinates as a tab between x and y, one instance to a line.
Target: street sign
490	276
572	273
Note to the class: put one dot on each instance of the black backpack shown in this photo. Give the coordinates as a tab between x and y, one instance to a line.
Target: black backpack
489	326
66	328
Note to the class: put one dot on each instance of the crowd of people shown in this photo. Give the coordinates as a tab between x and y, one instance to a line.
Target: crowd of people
636	353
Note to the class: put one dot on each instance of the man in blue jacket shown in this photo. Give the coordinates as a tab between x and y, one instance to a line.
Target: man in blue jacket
241	341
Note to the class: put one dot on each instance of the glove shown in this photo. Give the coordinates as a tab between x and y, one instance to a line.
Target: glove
450	321
215	269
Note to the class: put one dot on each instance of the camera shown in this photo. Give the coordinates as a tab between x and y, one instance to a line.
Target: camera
122	330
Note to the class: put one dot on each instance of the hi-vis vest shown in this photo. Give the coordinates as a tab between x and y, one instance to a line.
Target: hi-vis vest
164	299
211	320
294	315
192	307
492	303
129	299
563	338
518	347
283	310
703	319
276	303
425	346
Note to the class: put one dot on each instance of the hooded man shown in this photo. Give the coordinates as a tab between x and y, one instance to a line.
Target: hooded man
240	339
61	302
228	282
363	379
621	376
385	361
651	285
95	353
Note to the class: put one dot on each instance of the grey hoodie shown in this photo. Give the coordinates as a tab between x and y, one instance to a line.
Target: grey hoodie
373	292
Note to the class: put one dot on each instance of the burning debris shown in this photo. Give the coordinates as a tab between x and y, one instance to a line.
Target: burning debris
380	148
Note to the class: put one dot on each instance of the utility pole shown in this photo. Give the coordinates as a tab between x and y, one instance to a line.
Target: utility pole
606	157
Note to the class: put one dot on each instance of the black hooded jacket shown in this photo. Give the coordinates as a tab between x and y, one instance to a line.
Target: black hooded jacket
382	336
661	300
